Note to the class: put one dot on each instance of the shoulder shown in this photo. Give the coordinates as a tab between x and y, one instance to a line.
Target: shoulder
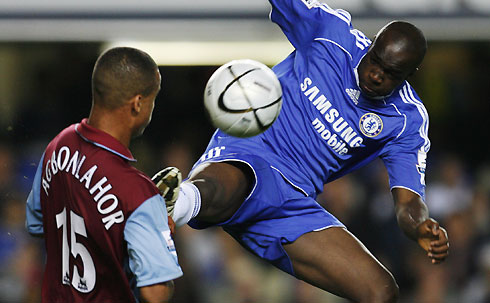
409	101
410	105
141	179
66	134
135	186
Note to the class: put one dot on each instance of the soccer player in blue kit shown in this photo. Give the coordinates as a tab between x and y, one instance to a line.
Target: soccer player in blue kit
346	101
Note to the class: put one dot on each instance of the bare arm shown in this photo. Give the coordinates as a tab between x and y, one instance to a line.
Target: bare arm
410	210
157	293
413	218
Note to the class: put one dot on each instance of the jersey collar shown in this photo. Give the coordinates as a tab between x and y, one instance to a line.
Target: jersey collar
103	140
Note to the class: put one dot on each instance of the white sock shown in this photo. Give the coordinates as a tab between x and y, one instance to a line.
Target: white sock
187	205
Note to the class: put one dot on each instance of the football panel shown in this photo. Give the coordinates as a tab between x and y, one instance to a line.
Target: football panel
260	89
268	115
245	126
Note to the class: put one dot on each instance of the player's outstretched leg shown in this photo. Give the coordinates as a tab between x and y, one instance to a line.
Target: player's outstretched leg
223	186
212	193
336	261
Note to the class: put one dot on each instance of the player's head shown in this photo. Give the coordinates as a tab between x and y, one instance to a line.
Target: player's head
125	76
395	54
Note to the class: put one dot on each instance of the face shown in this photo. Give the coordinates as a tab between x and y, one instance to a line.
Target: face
385	66
145	114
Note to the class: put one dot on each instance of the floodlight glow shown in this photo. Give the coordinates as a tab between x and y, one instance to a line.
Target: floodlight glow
209	53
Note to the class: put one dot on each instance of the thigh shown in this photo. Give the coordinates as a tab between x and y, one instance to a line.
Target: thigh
336	261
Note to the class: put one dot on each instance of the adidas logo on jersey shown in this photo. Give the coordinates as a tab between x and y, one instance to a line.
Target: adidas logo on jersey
353	94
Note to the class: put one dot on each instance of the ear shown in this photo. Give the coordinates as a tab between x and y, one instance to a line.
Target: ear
413	72
136	104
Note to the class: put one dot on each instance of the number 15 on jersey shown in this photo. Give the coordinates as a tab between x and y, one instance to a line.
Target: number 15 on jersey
86	283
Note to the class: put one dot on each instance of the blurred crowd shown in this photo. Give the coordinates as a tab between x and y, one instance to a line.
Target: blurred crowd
219	270
216	269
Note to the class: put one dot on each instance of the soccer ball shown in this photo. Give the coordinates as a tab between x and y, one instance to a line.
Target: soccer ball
243	98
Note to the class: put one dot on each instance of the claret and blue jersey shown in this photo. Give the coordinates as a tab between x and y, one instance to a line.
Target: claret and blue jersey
103	221
327	127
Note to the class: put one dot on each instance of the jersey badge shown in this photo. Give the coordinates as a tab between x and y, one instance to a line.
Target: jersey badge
371	125
170	242
353	94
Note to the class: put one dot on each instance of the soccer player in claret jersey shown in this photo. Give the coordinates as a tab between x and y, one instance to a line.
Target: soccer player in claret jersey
346	101
104	222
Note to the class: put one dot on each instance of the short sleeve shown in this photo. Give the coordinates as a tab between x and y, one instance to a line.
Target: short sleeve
151	250
406	169
405	157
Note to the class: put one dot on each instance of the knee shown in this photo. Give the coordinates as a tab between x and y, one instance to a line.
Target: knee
215	208
223	188
385	291
212	202
213	205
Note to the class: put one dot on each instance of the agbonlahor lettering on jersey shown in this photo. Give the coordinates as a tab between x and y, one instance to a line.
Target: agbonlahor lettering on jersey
64	161
342	137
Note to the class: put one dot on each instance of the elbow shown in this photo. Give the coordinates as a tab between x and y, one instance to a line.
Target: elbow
157	293
35	230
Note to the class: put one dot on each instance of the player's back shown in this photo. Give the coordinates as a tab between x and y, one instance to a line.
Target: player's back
87	192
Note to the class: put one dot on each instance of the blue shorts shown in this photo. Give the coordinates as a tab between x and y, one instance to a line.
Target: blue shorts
275	213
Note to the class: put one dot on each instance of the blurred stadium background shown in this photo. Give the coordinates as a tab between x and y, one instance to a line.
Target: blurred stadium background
47	51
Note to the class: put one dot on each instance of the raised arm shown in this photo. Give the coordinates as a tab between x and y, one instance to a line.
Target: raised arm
304	21
413	218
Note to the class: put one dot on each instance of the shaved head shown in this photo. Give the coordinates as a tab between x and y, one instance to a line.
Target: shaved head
122	73
403	37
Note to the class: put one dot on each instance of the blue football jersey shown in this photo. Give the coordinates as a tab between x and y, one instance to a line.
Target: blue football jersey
327	127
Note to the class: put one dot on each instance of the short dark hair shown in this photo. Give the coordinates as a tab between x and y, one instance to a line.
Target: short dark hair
121	73
412	37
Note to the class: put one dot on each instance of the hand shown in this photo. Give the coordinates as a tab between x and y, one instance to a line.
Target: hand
433	239
171	225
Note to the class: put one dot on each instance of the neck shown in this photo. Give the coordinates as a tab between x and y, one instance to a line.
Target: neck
112	122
